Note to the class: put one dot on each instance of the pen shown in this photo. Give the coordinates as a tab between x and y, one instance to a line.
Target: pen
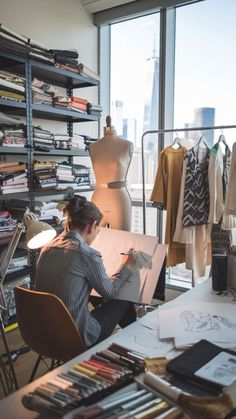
126	253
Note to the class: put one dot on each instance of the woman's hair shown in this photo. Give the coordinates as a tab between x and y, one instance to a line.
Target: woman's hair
80	213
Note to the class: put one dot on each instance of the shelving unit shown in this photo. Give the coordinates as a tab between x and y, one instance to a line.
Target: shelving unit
29	68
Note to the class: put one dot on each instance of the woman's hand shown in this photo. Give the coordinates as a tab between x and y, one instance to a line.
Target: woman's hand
128	259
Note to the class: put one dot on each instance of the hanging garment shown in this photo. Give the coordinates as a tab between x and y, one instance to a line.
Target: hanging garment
196	238
229	216
196	193
165	196
218	176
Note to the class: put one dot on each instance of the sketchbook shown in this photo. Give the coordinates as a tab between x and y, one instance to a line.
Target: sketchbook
150	257
195	364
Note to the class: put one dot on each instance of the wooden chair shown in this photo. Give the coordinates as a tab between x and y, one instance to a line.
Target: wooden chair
47	327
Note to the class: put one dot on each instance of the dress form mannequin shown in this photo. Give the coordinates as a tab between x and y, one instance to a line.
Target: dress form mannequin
111	157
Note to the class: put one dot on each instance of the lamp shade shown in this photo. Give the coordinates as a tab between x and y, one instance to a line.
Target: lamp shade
38	233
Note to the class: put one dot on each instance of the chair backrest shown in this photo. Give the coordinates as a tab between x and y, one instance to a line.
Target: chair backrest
46	325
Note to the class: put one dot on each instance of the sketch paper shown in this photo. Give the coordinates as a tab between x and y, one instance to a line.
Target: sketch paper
111	243
144	340
212	321
184	342
150	320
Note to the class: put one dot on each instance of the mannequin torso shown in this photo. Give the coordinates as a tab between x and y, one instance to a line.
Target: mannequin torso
111	157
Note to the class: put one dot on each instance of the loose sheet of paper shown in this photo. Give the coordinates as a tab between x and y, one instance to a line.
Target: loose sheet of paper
143	340
212	321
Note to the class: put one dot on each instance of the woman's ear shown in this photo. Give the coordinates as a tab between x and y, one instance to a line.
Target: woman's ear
92	226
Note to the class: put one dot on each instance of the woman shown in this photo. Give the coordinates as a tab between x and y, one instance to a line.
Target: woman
69	268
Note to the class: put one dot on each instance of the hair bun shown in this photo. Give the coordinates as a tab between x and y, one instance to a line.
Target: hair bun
75	204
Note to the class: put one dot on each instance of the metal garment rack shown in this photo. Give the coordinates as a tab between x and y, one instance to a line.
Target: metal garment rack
164	131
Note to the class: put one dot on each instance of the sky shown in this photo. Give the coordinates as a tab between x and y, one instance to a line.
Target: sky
205	61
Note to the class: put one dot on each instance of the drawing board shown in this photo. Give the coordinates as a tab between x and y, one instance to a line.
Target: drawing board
141	285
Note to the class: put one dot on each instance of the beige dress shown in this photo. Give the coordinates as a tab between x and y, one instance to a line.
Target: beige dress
165	196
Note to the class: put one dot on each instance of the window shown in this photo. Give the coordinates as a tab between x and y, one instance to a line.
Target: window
205	88
134	93
199	55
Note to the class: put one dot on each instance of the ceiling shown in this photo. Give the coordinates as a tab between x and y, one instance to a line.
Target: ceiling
94	6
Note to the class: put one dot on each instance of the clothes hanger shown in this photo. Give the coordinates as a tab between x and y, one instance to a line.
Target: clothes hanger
222	139
177	141
202	140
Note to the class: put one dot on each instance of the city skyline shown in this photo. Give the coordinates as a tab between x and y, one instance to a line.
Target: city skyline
202	79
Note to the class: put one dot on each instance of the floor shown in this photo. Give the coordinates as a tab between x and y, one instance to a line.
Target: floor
24	363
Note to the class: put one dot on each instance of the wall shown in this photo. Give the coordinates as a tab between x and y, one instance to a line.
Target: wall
57	24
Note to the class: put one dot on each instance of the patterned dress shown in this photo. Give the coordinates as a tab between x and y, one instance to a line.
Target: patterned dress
196	191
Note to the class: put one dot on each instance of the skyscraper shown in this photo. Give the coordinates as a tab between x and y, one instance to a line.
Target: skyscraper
205	117
117	115
150	121
130	130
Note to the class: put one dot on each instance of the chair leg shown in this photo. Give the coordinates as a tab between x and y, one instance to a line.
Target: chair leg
35	368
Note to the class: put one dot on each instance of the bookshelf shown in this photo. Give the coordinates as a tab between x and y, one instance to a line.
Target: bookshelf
23	66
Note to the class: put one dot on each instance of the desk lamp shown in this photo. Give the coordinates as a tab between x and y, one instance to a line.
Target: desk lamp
38	234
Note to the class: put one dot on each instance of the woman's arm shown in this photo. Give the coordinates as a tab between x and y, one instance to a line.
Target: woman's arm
100	281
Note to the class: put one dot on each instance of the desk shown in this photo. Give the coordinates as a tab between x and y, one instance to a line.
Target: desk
11	406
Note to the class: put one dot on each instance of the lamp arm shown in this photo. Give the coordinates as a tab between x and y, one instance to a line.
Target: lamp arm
8	253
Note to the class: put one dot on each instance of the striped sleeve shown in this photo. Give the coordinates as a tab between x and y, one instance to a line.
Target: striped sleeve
100	281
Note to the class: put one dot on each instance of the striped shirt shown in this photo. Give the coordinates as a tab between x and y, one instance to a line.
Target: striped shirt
69	268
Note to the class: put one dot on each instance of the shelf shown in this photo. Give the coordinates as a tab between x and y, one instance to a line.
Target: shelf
10	105
62	191
47	72
45	112
23	150
60	77
18	195
49	112
72	153
22	195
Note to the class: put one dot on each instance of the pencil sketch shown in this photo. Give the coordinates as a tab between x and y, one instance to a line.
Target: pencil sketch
196	321
225	371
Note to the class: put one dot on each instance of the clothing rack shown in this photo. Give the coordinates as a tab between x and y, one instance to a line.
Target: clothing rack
164	131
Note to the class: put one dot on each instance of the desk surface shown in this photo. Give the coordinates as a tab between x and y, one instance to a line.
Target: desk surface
11	406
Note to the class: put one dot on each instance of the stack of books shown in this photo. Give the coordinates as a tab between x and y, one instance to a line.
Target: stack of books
15	42
12	86
65	177
82	175
77	141
71	103
62	141
13	136
13	177
86	71
7	225
43	138
95	110
42	92
46	211
45	176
